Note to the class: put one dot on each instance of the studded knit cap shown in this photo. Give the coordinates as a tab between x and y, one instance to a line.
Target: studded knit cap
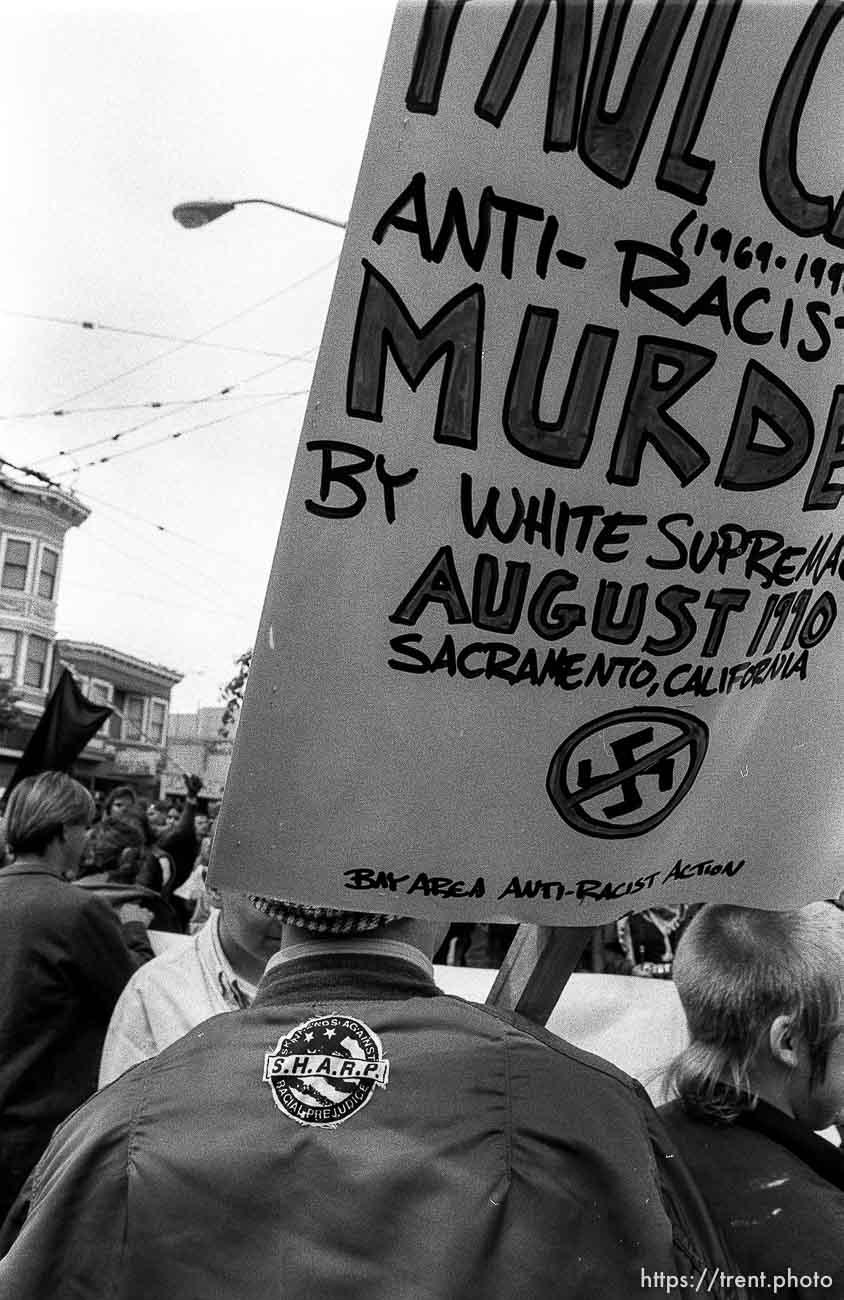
319	920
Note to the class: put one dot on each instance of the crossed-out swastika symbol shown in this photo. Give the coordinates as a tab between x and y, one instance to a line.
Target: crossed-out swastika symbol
636	757
624	752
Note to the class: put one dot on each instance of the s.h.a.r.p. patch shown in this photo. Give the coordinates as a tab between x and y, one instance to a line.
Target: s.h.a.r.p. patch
325	1070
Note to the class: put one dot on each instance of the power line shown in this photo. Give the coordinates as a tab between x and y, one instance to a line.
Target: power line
169	352
170	437
34	473
143	334
156	569
146	541
157	600
155	403
154	419
124	512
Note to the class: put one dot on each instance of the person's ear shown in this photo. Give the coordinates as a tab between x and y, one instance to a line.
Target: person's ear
784	1042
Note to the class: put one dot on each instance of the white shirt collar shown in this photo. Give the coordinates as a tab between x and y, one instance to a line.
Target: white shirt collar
236	991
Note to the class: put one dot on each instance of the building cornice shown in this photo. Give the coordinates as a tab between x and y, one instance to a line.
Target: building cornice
92	653
27	497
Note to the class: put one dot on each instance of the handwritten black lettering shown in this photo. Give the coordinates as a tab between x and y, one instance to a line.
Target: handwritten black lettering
602	891
348	475
366	878
822	493
610	143
655	276
566	440
455	227
455	333
516	887
645	418
445	887
748	465
784	192
688	870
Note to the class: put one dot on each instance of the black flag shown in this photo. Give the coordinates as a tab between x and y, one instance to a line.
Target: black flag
67	724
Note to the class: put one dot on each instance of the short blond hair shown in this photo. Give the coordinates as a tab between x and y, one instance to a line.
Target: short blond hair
736	969
40	806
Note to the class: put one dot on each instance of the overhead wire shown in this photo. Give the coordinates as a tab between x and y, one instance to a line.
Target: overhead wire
169	437
169	352
163	415
124	511
155	403
197	339
232	614
145	540
143	334
34	473
169	575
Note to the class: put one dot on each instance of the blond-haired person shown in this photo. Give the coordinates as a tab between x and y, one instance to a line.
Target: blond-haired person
763	994
63	964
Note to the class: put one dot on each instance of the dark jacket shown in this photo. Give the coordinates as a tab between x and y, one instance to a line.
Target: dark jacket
775	1188
63	965
182	845
453	1153
118	893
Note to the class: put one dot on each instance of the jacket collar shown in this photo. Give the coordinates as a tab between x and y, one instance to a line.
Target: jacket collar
369	944
353	971
820	1155
30	869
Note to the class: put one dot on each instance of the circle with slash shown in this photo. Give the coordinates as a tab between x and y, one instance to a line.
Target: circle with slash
654	756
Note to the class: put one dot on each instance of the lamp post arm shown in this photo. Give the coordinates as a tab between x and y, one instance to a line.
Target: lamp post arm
287	207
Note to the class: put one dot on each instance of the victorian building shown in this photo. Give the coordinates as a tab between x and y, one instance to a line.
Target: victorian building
33	524
130	748
194	744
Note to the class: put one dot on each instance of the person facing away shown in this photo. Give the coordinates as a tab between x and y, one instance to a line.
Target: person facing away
763	994
216	970
63	965
358	1133
117	869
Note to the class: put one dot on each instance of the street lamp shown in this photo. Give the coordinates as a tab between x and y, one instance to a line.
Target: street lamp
201	211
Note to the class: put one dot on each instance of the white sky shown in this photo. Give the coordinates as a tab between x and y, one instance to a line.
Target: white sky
112	114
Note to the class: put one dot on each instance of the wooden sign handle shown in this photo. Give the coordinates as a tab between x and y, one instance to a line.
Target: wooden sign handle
536	968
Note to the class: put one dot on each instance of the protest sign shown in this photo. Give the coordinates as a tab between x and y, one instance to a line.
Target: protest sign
552	627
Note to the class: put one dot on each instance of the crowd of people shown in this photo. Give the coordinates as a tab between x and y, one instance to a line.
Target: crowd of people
352	1130
639	943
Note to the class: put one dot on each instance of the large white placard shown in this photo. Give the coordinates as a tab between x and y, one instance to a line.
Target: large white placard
552	629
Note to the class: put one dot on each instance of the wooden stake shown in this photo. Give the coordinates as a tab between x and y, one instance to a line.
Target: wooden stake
536	968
